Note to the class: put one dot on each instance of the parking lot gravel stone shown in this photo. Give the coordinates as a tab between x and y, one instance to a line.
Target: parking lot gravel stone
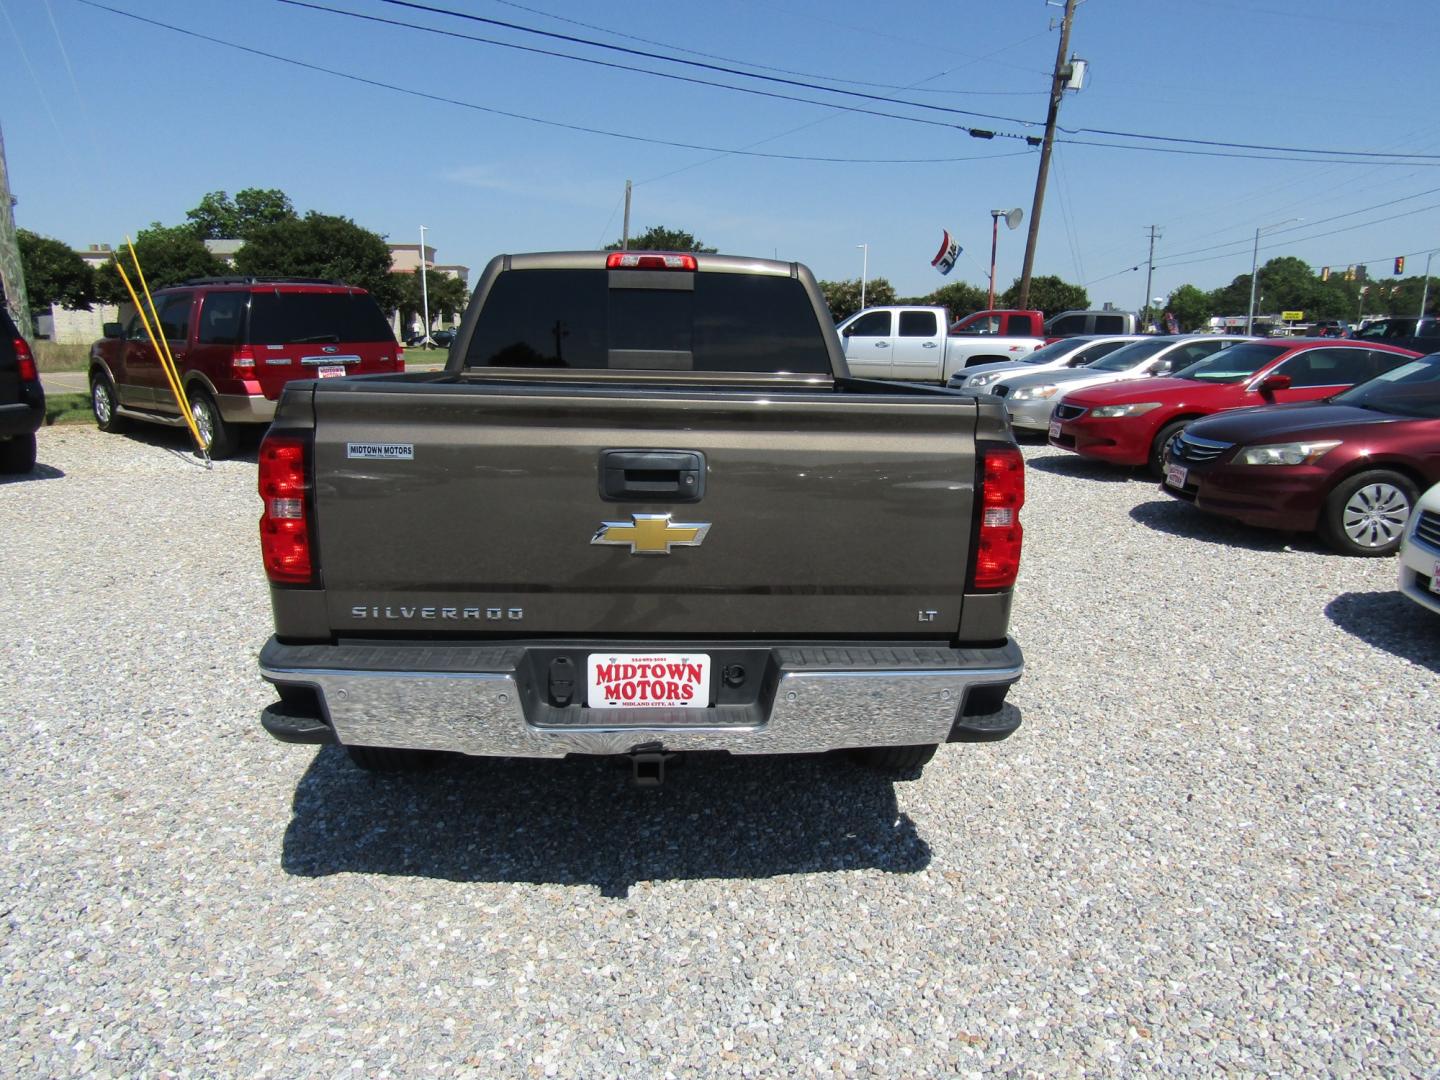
1211	846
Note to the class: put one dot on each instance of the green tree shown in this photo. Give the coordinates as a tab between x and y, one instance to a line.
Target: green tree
1191	306
960	298
217	217
843	297
167	254
447	295
321	246
54	274
1048	294
659	238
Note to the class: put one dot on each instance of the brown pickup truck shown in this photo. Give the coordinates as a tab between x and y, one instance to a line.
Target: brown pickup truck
643	510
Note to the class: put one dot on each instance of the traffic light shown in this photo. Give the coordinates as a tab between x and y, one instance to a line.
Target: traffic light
1325	273
1399	265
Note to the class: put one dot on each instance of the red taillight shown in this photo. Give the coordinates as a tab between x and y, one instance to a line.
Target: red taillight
645	260
25	361
285	524
242	364
1002	494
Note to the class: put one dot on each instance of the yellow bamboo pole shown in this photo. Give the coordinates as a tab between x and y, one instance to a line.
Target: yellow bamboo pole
161	346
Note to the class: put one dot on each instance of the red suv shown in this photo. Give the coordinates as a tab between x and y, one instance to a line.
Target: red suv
1130	423
236	343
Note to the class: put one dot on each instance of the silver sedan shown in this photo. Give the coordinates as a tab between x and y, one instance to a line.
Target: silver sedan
1068	352
1029	397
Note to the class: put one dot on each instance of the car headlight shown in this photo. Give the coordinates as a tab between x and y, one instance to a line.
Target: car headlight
1045	390
983	379
1135	408
1290	453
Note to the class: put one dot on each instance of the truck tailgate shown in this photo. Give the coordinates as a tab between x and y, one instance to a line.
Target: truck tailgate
460	509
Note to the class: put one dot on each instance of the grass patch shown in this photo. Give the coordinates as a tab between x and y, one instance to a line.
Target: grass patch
68	409
50	356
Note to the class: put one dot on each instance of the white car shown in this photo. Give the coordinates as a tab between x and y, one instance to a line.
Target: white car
1420	552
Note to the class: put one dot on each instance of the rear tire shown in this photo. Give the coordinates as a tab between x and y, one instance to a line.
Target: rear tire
1161	444
17	455
384	759
906	762
1367	514
215	433
104	403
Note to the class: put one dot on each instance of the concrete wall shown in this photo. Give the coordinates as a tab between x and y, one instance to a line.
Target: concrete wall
69	327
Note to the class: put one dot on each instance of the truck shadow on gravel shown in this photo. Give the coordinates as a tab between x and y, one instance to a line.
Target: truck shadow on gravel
39	472
577	822
1176	518
1389	621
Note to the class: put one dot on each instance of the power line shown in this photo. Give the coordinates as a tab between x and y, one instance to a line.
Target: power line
572	39
425	95
766	67
1279	232
658	74
521	28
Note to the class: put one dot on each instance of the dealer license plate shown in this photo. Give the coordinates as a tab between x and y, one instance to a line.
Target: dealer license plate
331	371
1435	579
1054	429
647	680
1175	475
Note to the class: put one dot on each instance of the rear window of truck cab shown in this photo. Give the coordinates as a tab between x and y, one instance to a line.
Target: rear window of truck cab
648	321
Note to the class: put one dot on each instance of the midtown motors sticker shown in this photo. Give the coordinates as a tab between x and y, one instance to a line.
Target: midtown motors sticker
392	451
663	681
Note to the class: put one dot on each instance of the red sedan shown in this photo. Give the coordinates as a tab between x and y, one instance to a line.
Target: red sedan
1129	423
1350	467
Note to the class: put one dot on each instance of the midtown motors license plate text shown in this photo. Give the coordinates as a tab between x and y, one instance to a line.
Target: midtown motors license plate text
641	681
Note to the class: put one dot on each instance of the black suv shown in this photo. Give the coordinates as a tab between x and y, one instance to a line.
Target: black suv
22	401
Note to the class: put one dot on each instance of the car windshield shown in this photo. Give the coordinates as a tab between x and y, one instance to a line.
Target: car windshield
1127	356
1234	364
1411	389
1054	351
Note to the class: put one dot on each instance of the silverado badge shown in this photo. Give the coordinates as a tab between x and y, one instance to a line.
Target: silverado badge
651	534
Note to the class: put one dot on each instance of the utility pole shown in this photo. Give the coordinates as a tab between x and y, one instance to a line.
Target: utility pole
625	236
12	274
1057	90
1150	273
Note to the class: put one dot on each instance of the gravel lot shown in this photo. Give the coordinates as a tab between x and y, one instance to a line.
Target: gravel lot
1212	845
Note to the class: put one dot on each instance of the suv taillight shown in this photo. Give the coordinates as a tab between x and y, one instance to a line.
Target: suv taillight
25	361
285	524
1002	494
242	363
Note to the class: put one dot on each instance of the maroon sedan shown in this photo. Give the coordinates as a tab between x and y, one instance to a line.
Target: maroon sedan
1350	467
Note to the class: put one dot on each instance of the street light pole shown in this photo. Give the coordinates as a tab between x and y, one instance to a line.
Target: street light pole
424	287
1254	262
864	271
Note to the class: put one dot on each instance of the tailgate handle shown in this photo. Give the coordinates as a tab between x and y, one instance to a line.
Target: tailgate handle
652	475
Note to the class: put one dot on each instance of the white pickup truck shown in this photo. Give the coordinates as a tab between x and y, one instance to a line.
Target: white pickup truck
913	343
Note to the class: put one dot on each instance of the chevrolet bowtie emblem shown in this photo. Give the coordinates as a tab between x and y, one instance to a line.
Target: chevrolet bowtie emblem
651	534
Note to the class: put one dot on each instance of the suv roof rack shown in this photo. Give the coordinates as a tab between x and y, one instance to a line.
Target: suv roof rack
251	280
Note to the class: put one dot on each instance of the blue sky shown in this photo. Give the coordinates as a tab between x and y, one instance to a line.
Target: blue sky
111	123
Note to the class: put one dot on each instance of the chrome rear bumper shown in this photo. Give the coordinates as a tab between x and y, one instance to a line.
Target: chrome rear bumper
480	701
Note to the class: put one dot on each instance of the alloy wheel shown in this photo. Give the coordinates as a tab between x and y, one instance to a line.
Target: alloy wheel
1375	515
